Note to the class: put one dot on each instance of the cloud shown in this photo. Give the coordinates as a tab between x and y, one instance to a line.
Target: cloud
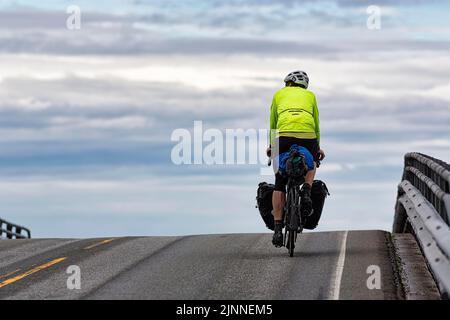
127	105
126	122
233	28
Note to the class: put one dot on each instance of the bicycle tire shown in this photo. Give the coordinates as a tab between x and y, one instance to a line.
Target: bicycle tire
294	225
291	242
291	221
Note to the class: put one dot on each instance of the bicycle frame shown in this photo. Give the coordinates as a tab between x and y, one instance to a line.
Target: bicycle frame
291	216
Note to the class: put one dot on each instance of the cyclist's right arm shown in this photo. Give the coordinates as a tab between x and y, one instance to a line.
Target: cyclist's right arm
273	119
316	120
317	128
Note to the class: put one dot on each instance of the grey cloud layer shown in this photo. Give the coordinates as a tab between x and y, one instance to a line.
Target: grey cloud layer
135	116
215	31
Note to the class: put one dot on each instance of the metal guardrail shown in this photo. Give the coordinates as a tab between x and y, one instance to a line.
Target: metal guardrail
10	230
423	209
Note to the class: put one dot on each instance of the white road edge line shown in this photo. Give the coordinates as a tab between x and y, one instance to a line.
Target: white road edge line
337	276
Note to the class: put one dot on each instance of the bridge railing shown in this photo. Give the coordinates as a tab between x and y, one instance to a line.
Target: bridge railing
423	209
10	230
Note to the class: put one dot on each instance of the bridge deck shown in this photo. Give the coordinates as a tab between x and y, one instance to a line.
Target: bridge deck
327	265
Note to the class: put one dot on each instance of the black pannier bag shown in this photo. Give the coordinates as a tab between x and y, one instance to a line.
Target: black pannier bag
264	203
319	192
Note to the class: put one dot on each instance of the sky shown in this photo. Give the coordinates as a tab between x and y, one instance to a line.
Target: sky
87	115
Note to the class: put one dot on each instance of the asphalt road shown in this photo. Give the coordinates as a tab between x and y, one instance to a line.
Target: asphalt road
327	265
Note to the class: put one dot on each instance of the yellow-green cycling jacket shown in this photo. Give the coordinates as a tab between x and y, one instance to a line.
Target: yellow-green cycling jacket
294	113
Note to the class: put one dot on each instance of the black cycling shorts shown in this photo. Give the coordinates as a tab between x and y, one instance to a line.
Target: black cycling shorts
284	144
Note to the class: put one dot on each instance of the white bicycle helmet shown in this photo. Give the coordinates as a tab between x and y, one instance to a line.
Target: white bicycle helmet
298	77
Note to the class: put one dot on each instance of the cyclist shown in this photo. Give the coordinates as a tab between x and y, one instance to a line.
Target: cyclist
294	119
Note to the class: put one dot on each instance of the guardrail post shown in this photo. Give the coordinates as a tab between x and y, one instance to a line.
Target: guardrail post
9	228
11	231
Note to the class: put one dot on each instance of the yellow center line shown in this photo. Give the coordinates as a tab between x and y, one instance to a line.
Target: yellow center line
30	272
99	243
9	274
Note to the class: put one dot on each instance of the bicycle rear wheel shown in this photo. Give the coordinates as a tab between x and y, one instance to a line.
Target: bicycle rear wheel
292	235
293	222
293	219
